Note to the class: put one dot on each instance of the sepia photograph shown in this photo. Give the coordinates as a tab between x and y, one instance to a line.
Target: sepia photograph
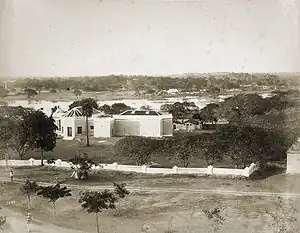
150	116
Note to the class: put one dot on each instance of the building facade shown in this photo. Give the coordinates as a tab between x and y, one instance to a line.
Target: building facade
146	123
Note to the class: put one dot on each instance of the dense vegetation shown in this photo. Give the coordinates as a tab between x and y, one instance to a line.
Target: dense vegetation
258	130
147	83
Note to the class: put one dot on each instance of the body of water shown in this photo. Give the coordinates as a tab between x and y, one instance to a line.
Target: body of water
135	103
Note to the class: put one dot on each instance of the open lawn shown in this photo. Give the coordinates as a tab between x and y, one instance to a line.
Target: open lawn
160	212
276	182
102	150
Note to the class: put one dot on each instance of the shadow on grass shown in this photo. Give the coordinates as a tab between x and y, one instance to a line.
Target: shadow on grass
268	171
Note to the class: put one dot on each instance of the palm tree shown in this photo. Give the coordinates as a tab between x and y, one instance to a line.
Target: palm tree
88	105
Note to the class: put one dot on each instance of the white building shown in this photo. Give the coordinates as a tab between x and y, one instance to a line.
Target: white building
147	123
72	123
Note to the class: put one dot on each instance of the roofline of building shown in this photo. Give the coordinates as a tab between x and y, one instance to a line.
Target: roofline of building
169	116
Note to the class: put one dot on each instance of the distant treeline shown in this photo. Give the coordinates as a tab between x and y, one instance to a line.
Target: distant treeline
148	83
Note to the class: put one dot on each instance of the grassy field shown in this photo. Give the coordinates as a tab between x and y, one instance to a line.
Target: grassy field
102	150
160	212
274	183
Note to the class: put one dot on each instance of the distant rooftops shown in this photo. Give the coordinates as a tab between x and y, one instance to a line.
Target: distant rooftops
141	112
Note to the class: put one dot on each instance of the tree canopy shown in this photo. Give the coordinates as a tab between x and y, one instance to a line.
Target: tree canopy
53	193
115	108
41	130
139	149
83	164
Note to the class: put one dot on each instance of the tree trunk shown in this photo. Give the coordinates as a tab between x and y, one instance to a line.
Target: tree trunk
54	212
29	204
98	230
87	131
42	158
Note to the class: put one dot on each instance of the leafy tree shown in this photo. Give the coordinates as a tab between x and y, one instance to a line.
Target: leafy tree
30	93
3	92
6	129
28	189
243	106
208	114
77	93
137	148
118	108
38	86
180	149
53	193
105	108
180	111
210	147
83	165
267	127
248	144
42	132
121	192
14	133
87	107
96	202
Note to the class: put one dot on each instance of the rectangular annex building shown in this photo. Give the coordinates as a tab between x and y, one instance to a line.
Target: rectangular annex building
147	123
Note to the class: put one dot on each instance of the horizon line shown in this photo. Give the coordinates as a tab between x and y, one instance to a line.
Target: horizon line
157	75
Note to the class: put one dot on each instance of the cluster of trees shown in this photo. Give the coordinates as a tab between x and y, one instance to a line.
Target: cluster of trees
138	83
91	201
115	108
258	130
25	129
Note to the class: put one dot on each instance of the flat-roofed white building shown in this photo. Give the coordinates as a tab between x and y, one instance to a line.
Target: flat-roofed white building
147	123
103	127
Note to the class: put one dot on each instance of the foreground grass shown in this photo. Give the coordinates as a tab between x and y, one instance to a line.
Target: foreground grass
164	212
277	183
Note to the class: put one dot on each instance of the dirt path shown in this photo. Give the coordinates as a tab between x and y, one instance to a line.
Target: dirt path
16	223
225	192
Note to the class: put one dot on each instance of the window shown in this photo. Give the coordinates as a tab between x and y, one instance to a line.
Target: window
62	129
92	127
69	130
79	130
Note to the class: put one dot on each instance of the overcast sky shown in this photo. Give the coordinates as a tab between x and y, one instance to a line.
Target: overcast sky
94	37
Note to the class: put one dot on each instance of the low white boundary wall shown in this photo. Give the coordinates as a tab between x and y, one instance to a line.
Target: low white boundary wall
210	170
